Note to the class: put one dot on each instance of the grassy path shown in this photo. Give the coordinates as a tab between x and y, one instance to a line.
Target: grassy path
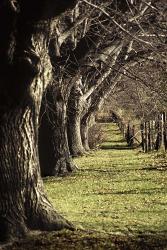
116	190
118	199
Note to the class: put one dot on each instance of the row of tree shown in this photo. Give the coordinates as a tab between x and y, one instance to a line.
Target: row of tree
150	135
57	67
154	134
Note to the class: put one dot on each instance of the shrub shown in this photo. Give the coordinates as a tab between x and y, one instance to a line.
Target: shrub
96	135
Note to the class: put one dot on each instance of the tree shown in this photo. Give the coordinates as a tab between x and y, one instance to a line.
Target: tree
82	52
135	29
111	53
25	72
140	98
55	159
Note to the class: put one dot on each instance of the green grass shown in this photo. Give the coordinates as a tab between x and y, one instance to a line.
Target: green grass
116	190
117	199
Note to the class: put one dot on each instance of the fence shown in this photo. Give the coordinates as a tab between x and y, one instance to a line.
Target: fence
150	135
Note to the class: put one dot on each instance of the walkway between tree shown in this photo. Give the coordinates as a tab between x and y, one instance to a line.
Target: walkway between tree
117	190
117	199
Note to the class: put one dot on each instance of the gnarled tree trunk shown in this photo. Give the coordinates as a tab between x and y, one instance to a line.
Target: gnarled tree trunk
25	71
55	159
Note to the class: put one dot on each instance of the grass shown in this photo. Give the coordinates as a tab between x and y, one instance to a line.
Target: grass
117	200
116	190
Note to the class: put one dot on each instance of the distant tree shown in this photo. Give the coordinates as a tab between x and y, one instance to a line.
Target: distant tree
136	46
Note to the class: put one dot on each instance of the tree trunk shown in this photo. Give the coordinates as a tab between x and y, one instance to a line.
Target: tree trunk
128	134
142	136
75	108
149	136
152	129
25	71
23	203
74	134
88	120
146	136
163	118
158	136
85	133
55	159
165	130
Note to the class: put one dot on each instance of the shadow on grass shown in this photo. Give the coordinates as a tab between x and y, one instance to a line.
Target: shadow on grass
116	147
134	191
118	141
143	242
158	168
113	170
91	239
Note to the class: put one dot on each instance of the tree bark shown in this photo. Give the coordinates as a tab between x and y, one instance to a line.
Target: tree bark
23	203
85	133
74	134
88	120
158	134
152	130
165	130
142	136
146	136
75	108
163	118
149	135
55	159
25	71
